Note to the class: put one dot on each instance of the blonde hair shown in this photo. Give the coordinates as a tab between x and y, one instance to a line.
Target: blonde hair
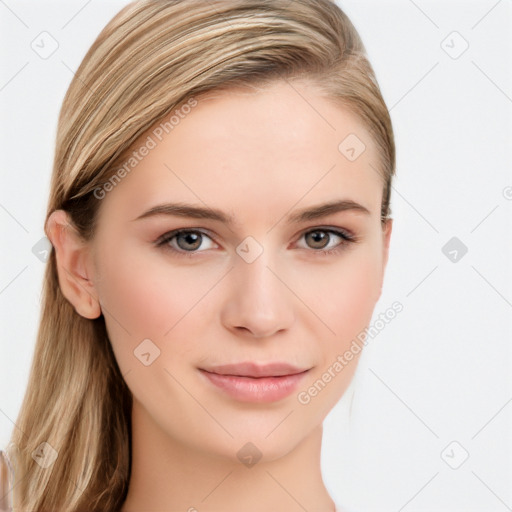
152	57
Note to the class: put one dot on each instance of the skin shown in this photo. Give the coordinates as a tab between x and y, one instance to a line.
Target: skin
260	155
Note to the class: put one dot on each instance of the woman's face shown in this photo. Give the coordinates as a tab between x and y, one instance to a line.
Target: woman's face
261	289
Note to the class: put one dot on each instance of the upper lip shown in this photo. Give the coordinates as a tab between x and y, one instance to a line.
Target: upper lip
250	369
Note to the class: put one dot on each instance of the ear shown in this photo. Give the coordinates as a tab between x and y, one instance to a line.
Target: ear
386	237
74	264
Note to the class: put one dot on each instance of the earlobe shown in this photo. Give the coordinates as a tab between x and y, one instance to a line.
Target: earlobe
74	266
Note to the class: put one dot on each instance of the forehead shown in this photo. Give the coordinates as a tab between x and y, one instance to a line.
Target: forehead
256	151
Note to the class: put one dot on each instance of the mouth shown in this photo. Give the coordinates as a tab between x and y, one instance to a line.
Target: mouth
248	382
254	370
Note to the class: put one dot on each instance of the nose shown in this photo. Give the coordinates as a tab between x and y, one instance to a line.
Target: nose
259	304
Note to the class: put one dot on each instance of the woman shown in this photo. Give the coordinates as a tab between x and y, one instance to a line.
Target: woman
219	216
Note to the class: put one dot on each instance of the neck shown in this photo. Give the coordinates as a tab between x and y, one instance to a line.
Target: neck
169	475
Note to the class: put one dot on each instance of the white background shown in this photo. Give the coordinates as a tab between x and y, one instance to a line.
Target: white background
441	370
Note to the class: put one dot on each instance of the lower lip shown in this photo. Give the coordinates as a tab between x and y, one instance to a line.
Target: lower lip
263	389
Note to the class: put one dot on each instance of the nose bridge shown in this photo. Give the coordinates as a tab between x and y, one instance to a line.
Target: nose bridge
258	301
255	276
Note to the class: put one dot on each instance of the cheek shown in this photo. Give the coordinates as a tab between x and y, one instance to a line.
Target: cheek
343	295
346	304
356	290
148	298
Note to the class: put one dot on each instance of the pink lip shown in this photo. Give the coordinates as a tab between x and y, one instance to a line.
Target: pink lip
248	382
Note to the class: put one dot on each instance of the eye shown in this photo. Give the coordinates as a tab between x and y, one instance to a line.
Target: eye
323	240
184	241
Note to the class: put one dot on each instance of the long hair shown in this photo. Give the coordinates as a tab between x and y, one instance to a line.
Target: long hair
71	444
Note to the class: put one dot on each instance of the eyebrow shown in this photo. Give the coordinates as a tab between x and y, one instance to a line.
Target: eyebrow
306	214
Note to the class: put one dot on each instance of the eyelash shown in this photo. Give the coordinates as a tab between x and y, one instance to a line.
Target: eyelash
346	240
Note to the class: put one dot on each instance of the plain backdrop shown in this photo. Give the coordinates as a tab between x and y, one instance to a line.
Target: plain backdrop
431	422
